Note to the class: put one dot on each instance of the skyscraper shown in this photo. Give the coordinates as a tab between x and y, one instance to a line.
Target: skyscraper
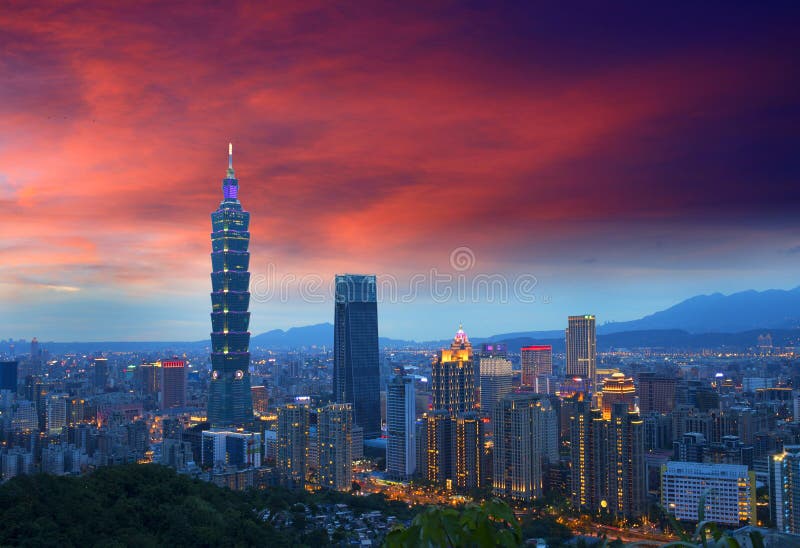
784	489
100	373
496	380
440	458
173	384
608	460
487	350
656	393
148	377
581	436
56	413
468	438
625	457
356	371
260	399
520	426
582	348
536	360
35	365
335	435
8	375
401	441
452	376
293	440
229	400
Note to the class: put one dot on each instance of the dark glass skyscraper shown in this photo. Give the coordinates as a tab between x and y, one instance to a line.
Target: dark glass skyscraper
8	375
356	373
229	401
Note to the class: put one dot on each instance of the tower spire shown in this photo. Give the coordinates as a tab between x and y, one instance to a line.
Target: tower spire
230	174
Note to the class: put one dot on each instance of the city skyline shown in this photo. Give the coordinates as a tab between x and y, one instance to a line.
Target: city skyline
578	186
612	165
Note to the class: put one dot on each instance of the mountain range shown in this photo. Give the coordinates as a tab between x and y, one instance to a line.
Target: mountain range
704	321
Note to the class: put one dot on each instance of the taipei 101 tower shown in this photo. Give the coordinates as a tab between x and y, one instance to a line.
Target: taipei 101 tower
229	401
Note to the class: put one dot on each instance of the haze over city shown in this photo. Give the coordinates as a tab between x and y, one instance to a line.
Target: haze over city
624	159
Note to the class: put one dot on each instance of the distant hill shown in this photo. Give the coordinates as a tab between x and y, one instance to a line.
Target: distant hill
718	313
318	335
672	339
705	321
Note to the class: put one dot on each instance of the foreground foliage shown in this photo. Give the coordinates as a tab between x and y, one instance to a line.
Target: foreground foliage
136	505
492	523
150	505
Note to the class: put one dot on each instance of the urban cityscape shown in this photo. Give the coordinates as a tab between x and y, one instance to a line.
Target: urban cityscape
431	382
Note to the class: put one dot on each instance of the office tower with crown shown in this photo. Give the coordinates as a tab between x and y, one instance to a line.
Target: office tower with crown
229	399
452	375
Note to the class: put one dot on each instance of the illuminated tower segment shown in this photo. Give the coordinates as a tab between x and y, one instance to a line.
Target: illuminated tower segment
230	400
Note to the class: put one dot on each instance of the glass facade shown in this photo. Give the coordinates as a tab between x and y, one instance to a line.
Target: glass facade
356	373
8	375
229	400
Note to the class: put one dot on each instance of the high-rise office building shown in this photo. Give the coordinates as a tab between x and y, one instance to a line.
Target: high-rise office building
356	368
56	413
76	410
469	439
520	426
148	378
536	361
25	418
401	439
440	453
582	452
35	365
229	398
231	448
607	460
260	399
292	444
452	377
784	489
625	457
617	389
487	350
496	380
335	442
581	344
8	375
173	384
656	393
729	492
100	374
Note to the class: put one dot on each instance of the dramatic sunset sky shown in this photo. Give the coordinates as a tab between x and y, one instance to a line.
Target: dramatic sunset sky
627	156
